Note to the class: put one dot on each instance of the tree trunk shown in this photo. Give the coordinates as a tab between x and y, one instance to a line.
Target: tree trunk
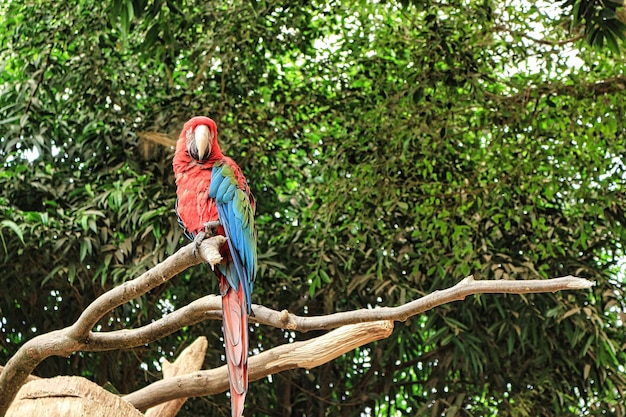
68	396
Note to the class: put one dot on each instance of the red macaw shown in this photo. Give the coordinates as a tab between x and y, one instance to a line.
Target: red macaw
213	195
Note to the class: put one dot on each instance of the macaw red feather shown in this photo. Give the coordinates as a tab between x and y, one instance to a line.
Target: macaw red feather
193	178
235	316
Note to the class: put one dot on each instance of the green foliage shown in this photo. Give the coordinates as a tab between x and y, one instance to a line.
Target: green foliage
393	148
600	20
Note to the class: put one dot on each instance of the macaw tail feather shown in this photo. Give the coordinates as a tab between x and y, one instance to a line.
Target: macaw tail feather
235	318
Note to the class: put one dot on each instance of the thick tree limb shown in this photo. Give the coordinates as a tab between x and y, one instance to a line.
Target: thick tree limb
306	354
79	336
158	275
76	337
69	396
28	379
214	381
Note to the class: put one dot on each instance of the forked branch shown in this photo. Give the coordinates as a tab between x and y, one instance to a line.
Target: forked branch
80	337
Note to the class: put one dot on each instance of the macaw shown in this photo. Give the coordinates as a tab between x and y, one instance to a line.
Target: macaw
213	196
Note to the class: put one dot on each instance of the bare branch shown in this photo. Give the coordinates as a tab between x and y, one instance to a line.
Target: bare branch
306	354
76	337
206	308
210	307
28	379
329	346
158	275
467	286
80	337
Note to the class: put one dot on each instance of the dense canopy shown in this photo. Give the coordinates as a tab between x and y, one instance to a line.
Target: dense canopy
393	148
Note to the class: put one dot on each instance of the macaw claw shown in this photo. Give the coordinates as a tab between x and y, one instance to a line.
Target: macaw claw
210	230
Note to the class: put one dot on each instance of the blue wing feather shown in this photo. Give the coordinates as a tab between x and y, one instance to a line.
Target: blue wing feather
216	180
236	214
230	193
224	187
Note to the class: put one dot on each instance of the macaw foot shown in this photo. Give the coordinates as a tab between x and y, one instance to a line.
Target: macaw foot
210	230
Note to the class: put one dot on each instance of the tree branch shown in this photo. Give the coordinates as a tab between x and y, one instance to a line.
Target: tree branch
76	337
80	337
465	287
306	354
210	307
158	275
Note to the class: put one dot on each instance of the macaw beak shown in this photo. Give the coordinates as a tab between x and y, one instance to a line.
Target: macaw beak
202	138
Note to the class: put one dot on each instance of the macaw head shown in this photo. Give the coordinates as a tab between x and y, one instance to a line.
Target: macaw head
200	135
